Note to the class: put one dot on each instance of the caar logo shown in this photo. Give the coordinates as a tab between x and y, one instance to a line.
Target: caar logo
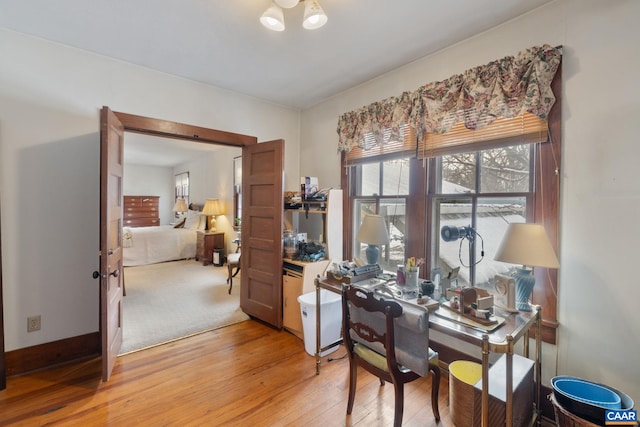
620	418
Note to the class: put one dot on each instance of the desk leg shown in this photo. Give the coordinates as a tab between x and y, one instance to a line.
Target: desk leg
318	341
485	380
509	402
538	363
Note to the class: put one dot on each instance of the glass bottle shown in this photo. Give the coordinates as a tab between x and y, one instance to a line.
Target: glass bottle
289	243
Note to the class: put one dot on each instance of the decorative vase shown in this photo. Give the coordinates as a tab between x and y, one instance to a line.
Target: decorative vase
427	287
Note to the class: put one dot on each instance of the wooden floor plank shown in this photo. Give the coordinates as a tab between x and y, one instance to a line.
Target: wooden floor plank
244	374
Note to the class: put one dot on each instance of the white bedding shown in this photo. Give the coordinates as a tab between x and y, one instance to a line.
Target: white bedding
150	245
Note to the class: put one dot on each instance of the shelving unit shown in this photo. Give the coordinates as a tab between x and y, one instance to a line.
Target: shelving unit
329	229
322	221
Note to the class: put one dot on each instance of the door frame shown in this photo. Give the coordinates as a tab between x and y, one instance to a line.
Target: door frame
174	130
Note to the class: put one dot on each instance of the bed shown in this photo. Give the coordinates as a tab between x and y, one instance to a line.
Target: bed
151	245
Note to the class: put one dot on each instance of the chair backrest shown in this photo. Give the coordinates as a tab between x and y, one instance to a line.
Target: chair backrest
356	325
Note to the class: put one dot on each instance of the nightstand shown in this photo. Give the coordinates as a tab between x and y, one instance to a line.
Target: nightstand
206	243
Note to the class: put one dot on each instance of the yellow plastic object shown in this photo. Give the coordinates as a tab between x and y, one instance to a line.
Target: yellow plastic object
468	372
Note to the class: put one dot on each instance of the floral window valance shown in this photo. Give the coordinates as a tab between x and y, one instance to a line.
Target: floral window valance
508	87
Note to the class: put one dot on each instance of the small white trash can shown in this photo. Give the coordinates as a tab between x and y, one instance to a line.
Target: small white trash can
330	318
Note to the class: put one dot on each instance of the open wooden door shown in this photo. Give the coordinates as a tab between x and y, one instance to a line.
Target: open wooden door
262	210
3	366
111	278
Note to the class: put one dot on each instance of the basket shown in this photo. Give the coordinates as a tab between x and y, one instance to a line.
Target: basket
565	418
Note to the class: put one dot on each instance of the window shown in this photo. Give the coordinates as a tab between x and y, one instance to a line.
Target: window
237	191
485	190
478	194
382	188
182	187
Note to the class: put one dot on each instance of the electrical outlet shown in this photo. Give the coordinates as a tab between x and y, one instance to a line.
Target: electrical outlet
34	323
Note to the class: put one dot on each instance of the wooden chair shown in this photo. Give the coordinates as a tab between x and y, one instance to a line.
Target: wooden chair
375	350
233	261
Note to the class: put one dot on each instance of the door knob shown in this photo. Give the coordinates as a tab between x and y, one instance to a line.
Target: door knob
115	273
96	274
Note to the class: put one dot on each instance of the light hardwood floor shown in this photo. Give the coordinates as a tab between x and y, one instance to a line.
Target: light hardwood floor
246	374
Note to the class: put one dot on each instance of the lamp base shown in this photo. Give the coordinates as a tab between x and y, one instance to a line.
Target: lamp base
372	252
525	281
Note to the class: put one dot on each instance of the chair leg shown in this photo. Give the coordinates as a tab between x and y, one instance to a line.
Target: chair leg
399	392
230	277
353	377
435	388
231	274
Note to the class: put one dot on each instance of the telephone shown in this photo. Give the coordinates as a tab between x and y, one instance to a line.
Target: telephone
505	297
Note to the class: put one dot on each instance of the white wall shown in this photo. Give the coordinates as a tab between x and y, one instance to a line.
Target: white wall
599	335
211	177
50	97
145	180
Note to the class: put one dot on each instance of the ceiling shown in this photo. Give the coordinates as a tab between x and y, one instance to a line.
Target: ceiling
222	43
141	149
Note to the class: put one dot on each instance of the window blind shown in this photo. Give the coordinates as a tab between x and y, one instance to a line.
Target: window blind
370	148
526	128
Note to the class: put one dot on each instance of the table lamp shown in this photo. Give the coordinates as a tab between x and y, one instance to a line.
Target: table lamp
180	207
212	209
526	244
373	232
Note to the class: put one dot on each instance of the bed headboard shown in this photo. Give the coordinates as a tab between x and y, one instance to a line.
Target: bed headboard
195	207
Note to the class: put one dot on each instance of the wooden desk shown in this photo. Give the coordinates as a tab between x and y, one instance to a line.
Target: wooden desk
501	340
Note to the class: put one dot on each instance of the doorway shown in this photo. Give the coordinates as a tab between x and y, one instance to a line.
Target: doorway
169	293
262	189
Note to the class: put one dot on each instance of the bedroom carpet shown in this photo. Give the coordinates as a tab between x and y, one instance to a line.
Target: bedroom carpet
173	300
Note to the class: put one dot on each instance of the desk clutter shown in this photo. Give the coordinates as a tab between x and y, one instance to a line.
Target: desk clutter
468	306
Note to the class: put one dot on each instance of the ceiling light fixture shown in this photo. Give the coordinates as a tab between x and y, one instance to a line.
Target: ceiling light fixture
273	17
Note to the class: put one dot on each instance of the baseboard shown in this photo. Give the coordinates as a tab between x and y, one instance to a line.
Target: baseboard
54	353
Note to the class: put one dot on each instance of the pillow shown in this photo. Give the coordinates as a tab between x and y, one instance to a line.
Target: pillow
192	220
180	224
203	222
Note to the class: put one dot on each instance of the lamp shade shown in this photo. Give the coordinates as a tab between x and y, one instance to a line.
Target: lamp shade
273	18
314	16
212	208
373	230
527	244
180	205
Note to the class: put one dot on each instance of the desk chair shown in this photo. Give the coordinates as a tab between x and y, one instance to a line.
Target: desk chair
233	261
374	347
